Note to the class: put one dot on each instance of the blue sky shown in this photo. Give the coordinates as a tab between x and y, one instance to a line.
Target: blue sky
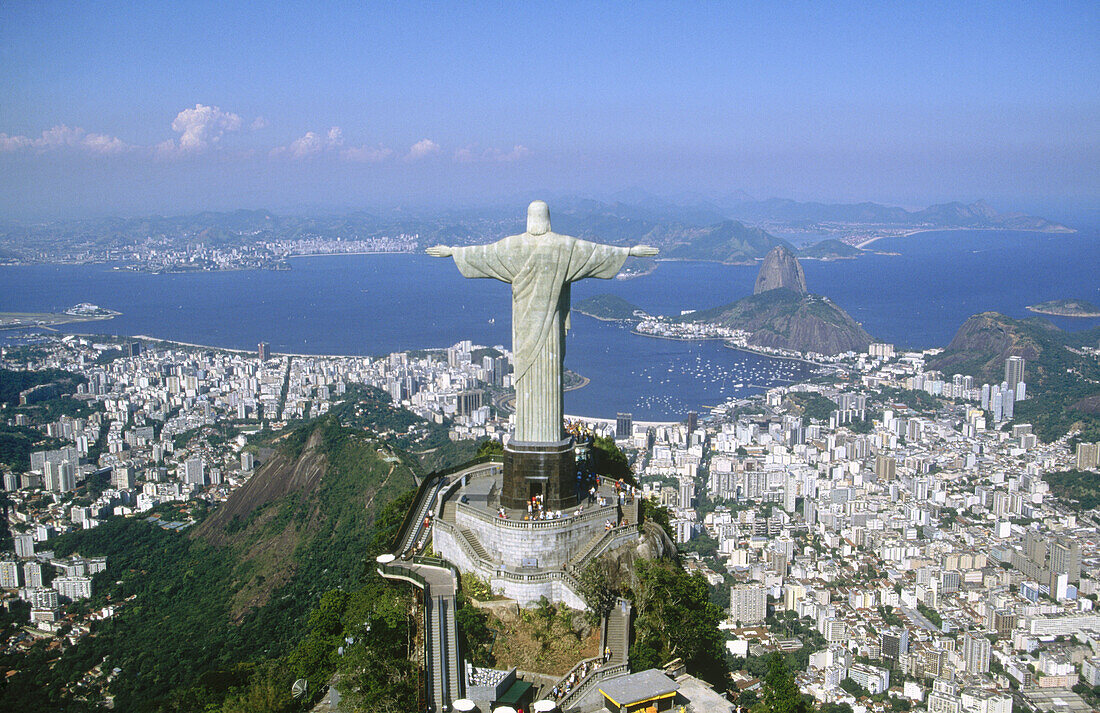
106	108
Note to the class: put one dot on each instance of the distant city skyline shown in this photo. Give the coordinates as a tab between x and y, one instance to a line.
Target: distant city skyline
156	110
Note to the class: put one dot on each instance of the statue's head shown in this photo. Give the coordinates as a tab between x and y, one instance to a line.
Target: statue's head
538	218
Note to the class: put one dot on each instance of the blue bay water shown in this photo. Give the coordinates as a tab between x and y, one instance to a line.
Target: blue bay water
374	304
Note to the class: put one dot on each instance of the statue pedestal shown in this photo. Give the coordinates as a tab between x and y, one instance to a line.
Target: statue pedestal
547	469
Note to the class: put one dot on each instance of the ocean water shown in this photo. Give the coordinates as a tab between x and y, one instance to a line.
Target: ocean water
375	304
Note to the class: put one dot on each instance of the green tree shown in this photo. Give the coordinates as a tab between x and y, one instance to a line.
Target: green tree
675	619
609	460
490	447
780	691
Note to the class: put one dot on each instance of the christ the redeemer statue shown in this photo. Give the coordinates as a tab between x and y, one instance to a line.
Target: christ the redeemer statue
541	265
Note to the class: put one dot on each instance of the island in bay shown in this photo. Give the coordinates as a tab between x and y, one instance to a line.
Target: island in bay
1066	308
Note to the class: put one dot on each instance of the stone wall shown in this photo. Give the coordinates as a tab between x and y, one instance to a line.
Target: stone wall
548	544
526	590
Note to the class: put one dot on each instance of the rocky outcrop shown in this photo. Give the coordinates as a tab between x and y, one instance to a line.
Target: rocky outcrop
985	340
730	242
784	319
780	270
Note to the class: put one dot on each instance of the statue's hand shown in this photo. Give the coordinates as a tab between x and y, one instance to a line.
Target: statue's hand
440	251
643	251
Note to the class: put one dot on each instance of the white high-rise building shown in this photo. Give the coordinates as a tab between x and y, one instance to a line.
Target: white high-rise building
976	650
66	480
43	598
9	574
194	472
748	603
24	545
1014	371
122	478
32	574
73	587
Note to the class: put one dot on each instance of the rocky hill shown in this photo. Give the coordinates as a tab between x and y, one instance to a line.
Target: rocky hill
829	250
1066	308
609	308
782	315
985	340
729	241
320	490
785	319
1062	380
780	270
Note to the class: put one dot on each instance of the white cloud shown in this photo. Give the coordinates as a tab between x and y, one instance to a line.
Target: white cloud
306	146
202	127
491	155
518	152
312	144
259	123
422	149
13	143
103	144
62	137
366	154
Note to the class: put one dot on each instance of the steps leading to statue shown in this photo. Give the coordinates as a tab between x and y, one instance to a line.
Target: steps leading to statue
618	634
475	544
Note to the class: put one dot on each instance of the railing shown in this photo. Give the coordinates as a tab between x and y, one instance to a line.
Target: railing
559	522
498	572
580	664
578	563
441	655
428	482
402	572
585	685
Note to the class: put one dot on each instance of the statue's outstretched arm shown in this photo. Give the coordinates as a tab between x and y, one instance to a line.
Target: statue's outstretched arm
643	251
440	251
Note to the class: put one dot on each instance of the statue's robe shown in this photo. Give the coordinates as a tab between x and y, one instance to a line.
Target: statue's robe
540	269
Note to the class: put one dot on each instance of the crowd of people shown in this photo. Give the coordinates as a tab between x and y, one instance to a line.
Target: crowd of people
565	687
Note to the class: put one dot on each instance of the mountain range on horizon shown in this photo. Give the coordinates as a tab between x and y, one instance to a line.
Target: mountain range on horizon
735	228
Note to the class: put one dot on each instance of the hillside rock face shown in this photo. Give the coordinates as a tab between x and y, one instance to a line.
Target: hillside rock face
729	242
780	269
784	319
985	340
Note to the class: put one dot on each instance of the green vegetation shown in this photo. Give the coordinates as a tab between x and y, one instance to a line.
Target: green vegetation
609	308
1078	489
854	688
676	619
786	624
18	442
58	384
785	319
609	460
781	693
14	382
890	616
810	405
489	447
655	513
221	620
729	241
1066	308
829	249
930	614
919	401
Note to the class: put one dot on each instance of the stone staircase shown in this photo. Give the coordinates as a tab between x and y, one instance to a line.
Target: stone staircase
475	544
617	632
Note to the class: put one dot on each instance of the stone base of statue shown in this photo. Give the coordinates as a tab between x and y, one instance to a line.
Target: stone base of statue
546	469
525	556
